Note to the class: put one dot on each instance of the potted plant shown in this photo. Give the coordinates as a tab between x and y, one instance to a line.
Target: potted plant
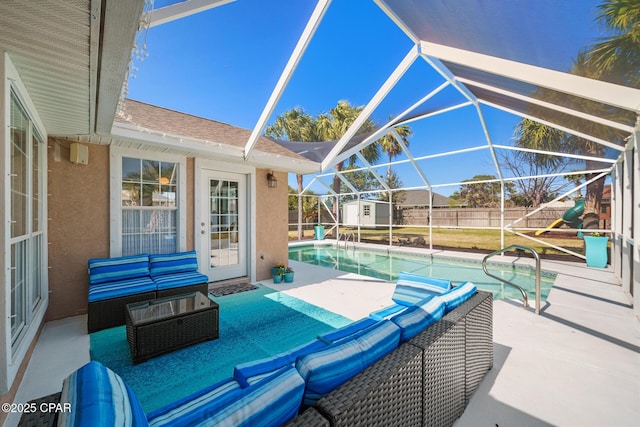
319	231
277	272
595	250
288	275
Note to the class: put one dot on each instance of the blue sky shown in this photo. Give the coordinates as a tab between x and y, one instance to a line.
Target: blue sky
222	64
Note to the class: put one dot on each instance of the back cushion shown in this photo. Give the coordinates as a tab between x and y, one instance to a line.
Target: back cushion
416	319
458	295
98	396
180	262
347	330
104	270
327	369
256	370
272	402
412	288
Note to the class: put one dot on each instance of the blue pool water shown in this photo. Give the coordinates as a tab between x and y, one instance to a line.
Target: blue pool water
386	266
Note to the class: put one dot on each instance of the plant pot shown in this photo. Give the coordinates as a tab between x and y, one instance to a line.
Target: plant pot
595	250
319	232
288	277
277	278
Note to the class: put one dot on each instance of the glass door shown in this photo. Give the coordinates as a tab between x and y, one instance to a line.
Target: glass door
223	225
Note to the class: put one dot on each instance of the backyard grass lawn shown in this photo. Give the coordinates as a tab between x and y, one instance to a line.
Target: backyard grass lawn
474	239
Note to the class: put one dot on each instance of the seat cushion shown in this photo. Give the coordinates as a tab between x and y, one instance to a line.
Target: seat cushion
327	369
417	318
412	288
271	402
252	372
121	288
99	397
105	270
179	262
458	295
178	280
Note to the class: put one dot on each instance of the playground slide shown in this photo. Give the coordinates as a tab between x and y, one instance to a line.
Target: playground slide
570	217
558	222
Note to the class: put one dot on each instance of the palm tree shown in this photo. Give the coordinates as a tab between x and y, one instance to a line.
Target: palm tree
294	125
617	57
390	145
332	126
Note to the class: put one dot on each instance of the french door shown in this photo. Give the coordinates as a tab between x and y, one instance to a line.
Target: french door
223	225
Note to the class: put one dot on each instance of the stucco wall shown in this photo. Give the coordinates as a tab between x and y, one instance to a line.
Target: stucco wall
78	224
271	223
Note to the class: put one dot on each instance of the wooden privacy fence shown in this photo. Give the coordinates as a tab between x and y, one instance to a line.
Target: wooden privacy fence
465	217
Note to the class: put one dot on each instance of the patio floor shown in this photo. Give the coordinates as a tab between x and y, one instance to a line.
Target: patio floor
577	364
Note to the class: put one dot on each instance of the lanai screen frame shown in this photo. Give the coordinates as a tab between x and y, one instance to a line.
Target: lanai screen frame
434	55
623	170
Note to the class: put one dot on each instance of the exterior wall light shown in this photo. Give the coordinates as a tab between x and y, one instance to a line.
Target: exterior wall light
272	182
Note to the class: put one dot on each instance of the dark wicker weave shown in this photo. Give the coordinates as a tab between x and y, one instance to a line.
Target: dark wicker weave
479	341
110	313
443	371
456	353
39	418
200	287
152	338
387	393
309	418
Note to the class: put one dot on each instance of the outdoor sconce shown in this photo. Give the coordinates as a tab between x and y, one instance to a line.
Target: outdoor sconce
272	182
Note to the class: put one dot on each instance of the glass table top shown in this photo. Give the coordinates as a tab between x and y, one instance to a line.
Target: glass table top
164	308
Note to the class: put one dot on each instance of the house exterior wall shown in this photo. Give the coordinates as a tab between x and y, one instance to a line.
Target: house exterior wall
79	207
271	223
78	224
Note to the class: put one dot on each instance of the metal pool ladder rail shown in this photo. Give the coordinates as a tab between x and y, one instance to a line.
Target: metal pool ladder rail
525	300
346	240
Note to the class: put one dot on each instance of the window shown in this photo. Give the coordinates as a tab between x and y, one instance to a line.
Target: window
27	210
149	206
366	210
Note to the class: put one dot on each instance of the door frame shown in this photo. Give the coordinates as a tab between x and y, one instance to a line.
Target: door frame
224	166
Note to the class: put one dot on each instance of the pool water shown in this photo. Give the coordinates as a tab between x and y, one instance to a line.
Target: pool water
387	266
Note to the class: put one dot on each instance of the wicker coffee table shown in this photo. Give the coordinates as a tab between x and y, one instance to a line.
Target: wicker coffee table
163	325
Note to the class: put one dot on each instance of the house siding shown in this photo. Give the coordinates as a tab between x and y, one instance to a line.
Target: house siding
271	223
78	224
79	206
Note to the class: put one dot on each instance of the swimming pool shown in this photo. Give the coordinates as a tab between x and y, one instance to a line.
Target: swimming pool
386	265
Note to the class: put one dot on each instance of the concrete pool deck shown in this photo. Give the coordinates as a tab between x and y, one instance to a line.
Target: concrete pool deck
576	364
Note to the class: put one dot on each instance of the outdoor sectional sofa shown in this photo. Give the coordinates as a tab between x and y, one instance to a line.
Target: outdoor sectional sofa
116	282
419	366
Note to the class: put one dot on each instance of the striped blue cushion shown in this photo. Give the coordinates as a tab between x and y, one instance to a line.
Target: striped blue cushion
122	288
458	295
417	318
177	280
180	262
197	406
347	330
271	402
99	397
327	369
104	270
387	312
256	370
412	288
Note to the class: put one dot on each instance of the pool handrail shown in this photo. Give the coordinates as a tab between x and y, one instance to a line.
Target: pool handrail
525	299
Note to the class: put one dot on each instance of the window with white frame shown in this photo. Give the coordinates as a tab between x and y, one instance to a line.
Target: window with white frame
366	210
27	211
149	206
